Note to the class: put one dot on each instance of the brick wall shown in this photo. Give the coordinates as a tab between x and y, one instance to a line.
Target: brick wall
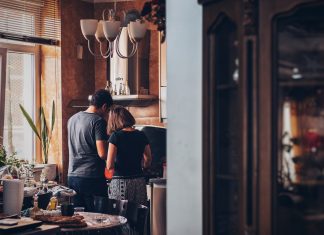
82	77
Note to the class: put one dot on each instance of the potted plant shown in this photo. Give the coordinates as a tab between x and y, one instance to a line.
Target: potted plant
9	163
44	134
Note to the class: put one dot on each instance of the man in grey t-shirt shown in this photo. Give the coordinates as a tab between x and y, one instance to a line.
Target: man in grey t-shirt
87	139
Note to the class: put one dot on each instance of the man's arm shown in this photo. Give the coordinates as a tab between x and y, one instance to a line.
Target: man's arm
101	139
102	146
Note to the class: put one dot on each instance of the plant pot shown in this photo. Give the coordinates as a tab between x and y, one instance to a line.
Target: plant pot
49	170
44	199
37	171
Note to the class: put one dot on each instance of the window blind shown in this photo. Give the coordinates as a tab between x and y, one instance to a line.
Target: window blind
36	21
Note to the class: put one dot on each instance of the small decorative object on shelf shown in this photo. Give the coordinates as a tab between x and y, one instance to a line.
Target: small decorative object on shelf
115	90
120	92
109	87
127	90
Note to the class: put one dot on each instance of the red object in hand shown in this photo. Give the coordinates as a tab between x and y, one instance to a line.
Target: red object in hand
109	174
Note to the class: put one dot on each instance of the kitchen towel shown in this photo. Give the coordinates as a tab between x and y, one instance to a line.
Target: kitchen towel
13	195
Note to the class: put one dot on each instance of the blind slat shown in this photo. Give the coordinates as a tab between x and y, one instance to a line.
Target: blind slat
31	18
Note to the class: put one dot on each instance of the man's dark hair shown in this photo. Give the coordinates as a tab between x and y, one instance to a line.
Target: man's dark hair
101	97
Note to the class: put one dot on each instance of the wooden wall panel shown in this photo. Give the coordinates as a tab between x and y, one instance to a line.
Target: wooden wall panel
81	77
77	75
51	90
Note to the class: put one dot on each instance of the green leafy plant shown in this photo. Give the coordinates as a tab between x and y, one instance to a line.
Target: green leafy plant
9	159
44	134
3	155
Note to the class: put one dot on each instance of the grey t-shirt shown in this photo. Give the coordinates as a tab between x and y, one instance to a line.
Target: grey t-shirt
83	131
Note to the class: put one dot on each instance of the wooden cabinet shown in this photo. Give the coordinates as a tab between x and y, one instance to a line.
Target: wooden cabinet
263	117
223	118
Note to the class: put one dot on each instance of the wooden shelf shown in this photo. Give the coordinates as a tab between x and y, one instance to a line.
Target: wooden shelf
125	100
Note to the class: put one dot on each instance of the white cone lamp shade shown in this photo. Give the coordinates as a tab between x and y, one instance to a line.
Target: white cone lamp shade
111	29
137	30
88	27
100	36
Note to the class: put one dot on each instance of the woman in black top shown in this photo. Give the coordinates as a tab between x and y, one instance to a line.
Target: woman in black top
128	152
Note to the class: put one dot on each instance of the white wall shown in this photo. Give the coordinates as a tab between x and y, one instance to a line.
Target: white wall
184	107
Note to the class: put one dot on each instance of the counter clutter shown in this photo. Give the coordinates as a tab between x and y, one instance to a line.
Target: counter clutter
49	207
37	200
75	221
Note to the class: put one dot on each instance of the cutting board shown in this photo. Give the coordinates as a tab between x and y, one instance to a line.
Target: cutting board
24	223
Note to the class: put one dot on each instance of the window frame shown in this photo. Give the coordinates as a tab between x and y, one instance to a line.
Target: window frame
35	50
3	76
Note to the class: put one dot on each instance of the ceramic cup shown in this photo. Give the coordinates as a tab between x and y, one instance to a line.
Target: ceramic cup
67	209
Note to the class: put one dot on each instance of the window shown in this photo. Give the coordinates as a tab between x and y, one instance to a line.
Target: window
19	87
36	21
23	25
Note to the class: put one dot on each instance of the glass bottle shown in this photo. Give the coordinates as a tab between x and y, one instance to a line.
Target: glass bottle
52	204
120	89
115	90
127	90
35	209
44	182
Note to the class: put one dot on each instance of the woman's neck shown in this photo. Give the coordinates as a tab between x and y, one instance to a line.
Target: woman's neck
128	129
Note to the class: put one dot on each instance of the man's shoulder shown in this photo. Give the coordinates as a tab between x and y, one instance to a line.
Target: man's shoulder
76	115
73	116
86	115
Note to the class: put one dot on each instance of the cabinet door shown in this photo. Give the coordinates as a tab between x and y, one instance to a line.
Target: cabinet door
223	120
298	138
290	148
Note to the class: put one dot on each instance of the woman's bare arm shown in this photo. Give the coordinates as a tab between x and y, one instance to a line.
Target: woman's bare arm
147	156
112	152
